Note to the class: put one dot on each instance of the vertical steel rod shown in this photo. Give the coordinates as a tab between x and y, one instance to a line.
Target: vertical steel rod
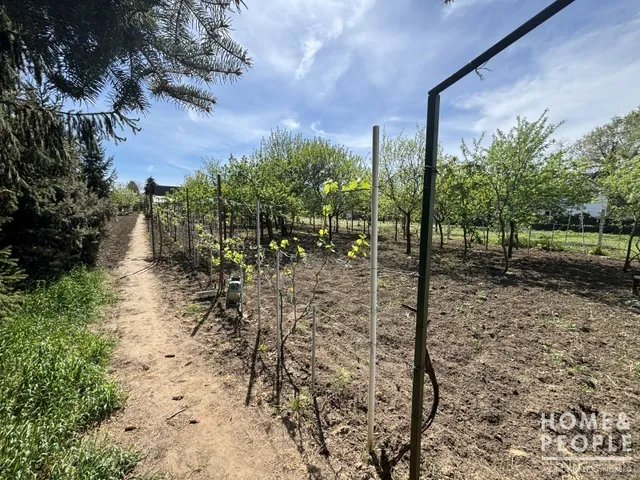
220	257
313	351
424	268
426	227
374	287
258	265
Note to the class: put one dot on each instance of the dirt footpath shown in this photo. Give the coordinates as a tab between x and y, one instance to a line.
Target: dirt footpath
180	416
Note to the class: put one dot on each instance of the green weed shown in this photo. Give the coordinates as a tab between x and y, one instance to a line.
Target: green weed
194	309
299	403
53	385
341	380
558	321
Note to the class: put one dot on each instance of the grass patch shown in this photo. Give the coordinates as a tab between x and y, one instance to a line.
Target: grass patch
194	309
53	384
561	322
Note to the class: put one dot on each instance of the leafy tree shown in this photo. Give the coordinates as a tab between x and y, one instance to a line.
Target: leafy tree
401	174
443	210
339	197
469	189
133	186
516	168
602	149
125	199
317	160
621	185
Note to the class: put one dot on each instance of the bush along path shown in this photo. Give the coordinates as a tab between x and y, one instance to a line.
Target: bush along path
187	422
53	385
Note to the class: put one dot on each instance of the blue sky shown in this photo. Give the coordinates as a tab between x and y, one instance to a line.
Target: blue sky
337	67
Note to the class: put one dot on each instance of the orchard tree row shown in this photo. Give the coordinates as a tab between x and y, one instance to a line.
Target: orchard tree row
503	184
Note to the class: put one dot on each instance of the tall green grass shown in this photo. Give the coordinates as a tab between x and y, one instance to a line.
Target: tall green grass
53	385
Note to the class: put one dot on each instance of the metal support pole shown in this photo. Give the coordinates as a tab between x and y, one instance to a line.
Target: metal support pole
426	227
258	265
582	230
221	257
153	235
424	268
188	223
313	351
374	286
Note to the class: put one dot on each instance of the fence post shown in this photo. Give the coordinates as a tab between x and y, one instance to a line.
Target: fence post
175	222
566	234
582	228
188	224
160	235
258	266
153	235
278	326
313	351
221	276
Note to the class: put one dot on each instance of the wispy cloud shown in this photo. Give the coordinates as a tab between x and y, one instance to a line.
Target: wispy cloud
317	130
461	7
311	47
584	79
180	166
291	124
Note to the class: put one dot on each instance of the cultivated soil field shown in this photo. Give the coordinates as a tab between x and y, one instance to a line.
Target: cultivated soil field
558	333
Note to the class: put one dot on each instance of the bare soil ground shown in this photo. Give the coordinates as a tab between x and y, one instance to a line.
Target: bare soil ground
559	333
182	411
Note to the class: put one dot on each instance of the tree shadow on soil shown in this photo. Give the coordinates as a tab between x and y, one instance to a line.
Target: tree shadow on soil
204	318
574	273
252	369
383	468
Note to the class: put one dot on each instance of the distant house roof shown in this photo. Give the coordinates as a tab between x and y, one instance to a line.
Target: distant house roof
162	190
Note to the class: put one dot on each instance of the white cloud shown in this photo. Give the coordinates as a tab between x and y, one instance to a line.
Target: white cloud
360	142
289	44
193	116
316	130
584	79
460	7
180	166
291	124
311	47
